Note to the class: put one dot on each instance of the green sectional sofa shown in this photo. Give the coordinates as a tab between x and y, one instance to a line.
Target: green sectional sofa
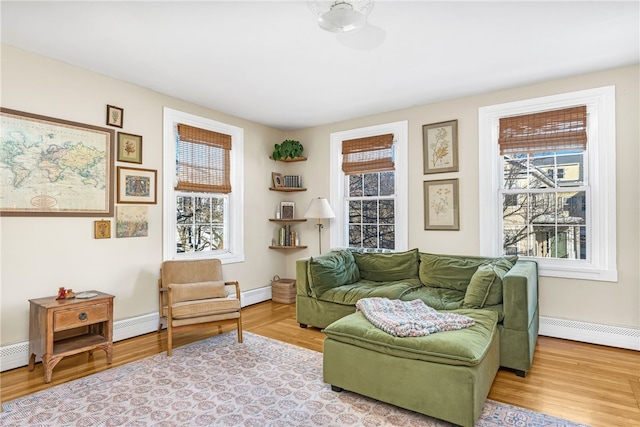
328	287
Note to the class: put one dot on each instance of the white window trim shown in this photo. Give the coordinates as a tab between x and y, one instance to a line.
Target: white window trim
339	227
601	260
235	244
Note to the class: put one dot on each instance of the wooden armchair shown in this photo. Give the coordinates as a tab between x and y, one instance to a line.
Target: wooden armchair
193	295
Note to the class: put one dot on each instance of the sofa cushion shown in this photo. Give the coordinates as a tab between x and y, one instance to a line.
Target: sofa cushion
387	267
485	287
330	270
452	271
465	347
350	294
197	291
438	298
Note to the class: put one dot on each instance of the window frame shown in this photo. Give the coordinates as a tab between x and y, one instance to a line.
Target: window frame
601	170
339	232
235	208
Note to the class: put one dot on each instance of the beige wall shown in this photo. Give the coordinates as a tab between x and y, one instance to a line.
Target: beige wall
40	254
589	301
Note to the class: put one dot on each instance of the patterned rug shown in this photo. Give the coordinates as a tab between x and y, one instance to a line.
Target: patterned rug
218	382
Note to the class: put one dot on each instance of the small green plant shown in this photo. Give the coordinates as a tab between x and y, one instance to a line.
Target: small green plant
288	149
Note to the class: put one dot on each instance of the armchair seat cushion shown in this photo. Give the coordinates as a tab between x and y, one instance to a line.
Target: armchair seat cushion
205	307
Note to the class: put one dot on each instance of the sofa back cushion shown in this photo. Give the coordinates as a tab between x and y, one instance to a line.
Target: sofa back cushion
332	269
388	267
453	271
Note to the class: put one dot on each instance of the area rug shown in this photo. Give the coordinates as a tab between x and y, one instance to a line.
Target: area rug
218	382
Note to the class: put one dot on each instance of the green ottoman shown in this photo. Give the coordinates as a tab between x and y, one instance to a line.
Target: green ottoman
445	375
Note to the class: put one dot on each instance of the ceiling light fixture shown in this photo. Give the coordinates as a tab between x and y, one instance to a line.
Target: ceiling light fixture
341	16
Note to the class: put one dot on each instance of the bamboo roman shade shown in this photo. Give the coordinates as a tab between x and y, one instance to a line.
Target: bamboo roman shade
367	155
555	130
203	160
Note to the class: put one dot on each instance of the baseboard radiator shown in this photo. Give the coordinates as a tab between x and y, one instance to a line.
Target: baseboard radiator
17	355
592	333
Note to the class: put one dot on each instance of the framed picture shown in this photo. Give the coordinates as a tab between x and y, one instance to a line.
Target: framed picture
278	180
132	221
287	210
55	167
441	205
102	229
440	147
137	185
115	116
129	148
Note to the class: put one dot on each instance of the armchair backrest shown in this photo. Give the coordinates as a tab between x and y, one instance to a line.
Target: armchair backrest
189	271
205	270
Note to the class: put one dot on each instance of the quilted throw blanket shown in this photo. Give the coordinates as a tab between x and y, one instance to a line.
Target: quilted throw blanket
409	318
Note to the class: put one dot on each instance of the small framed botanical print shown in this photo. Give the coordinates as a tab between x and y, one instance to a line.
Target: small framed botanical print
129	148
115	116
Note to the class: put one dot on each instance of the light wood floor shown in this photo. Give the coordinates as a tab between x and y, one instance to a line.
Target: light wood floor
586	383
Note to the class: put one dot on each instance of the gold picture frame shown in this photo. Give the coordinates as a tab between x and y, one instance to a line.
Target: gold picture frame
441	205
440	147
138	186
102	229
129	148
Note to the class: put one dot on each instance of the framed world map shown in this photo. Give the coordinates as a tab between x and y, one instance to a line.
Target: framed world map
53	167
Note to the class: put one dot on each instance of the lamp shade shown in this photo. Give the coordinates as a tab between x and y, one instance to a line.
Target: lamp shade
319	208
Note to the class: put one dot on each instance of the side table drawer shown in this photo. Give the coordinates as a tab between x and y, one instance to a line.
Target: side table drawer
68	319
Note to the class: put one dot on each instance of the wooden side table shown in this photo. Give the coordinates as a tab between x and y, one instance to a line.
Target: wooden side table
59	328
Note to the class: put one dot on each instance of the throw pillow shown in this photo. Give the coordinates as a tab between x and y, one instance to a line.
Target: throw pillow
484	281
331	270
485	286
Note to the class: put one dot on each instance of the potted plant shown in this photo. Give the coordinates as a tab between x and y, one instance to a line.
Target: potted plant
288	149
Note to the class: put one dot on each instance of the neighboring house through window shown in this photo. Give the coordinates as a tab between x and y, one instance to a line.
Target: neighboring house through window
547	167
369	188
203	188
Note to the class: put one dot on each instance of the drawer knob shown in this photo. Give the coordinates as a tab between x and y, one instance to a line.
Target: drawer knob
83	316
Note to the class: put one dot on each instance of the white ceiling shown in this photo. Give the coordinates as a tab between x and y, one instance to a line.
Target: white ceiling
270	63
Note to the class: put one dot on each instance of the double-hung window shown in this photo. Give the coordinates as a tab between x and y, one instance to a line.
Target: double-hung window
203	188
547	170
369	188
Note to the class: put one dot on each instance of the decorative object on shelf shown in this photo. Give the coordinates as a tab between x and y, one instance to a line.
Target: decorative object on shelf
129	148
441	205
137	185
341	16
288	149
115	116
278	182
132	221
319	208
82	154
102	229
287	210
440	147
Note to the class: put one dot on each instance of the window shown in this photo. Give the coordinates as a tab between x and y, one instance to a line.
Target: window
369	187
203	188
547	169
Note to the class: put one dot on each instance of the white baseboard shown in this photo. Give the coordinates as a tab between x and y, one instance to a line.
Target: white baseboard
17	355
593	333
